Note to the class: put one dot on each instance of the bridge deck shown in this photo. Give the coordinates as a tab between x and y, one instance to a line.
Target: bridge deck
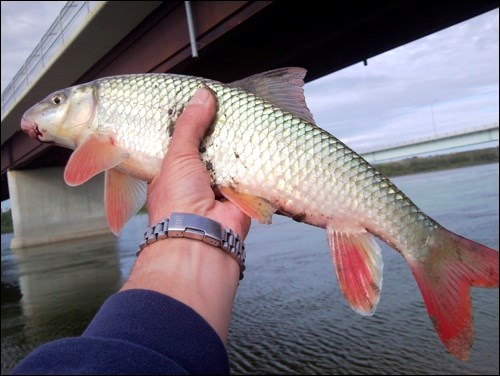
234	39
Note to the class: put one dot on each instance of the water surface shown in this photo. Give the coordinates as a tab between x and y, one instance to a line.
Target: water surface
289	315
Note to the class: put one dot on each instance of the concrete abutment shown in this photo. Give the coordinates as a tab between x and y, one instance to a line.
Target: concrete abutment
46	210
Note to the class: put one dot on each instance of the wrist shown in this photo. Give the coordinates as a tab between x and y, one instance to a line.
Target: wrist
198	228
186	259
197	274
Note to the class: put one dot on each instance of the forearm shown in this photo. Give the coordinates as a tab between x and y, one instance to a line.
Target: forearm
200	275
136	332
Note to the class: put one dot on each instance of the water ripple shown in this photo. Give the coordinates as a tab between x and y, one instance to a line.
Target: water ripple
289	315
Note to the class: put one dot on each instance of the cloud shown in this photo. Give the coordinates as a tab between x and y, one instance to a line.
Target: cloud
23	25
443	82
451	76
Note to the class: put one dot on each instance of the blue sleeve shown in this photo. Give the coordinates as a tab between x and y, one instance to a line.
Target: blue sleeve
135	332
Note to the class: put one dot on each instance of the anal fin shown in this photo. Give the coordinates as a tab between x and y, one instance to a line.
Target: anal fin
357	260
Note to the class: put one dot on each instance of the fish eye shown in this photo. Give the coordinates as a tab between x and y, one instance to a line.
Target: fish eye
57	98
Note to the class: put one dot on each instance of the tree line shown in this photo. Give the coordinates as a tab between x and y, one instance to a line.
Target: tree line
439	162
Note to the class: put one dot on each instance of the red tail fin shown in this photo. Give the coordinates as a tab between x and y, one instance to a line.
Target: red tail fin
453	265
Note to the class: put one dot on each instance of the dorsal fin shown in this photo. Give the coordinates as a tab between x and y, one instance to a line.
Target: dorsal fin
284	87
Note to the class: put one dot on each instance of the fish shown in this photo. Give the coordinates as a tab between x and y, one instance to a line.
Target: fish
265	153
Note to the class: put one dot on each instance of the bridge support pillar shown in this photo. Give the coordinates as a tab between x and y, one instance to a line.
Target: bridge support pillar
46	210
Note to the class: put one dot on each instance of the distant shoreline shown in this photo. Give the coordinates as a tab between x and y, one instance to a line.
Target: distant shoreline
439	162
404	167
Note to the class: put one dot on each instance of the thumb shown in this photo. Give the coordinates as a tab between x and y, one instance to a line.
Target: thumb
193	123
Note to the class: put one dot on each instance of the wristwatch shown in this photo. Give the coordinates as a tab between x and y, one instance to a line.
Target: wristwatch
192	226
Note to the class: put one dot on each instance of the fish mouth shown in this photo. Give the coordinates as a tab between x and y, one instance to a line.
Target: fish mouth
31	128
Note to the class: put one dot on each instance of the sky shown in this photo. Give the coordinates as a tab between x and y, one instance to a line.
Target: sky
451	76
442	83
23	25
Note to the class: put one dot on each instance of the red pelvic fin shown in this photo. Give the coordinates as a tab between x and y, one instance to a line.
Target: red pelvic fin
255	207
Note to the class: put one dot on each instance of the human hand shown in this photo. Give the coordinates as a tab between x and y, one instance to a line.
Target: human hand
198	274
183	184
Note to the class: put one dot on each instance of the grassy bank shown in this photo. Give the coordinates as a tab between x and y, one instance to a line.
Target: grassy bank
7	222
439	162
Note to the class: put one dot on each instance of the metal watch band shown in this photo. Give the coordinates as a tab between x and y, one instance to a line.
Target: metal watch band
192	226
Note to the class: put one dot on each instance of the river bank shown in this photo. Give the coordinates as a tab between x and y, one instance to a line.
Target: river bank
439	162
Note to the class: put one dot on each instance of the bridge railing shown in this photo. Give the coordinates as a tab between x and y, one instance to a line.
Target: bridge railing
432	138
61	32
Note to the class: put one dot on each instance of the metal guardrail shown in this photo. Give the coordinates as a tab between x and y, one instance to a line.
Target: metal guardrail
60	33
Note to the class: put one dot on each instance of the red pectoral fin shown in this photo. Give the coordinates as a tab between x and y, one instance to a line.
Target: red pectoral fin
94	155
123	197
358	263
255	207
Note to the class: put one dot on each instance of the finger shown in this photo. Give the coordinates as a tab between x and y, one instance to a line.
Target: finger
193	123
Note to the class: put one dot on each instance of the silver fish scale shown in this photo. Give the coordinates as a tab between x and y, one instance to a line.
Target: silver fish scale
260	149
142	109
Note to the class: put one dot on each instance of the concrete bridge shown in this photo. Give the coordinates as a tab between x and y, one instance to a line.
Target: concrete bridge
463	138
221	40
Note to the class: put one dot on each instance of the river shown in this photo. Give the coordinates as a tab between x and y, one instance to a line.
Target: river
289	315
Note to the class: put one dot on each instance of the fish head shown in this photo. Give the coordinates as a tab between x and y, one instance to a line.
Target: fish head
65	117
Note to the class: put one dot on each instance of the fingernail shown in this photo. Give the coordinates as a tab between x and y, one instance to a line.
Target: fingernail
201	96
